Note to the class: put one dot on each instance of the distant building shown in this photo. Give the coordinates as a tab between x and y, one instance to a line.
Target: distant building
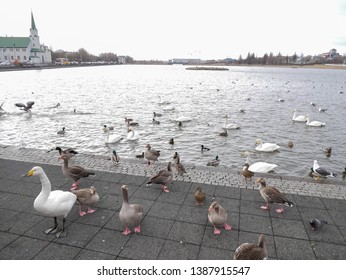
24	49
330	55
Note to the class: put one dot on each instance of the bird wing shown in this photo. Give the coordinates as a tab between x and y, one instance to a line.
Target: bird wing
274	195
20	105
322	171
83	195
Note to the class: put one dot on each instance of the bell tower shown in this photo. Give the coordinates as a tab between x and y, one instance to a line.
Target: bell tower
33	29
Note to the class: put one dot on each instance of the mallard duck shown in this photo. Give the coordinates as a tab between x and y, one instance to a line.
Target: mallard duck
171	141
327	150
115	158
214	162
52	203
140	156
62	131
74	172
86	197
130	214
322	172
266	147
316	224
111	138
151	154
157	114
155	121
163	178
272	195
224	133
177	165
313	123
247	174
252	251
26	107
290	144
199	196
218	217
69	152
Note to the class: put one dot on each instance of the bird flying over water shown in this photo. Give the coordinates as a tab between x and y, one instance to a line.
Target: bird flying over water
26	107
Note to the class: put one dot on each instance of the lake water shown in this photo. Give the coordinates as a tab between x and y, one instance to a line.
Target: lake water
107	94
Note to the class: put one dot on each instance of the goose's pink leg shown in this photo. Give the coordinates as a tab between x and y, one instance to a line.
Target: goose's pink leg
164	188
137	229
216	230
227	227
90	210
75	185
279	210
81	213
126	231
265	207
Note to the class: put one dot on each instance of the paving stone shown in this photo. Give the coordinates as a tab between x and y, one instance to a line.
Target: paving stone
156	227
195	214
151	193
93	255
99	218
335	204
289	228
142	248
256	224
229	192
339	218
207	253
164	210
6	238
57	252
253	207
174	250
227	240
20	223
308	213
186	233
327	233
326	251
253	195
111	202
309	201
172	197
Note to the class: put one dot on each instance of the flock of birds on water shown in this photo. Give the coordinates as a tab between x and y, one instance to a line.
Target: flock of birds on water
59	203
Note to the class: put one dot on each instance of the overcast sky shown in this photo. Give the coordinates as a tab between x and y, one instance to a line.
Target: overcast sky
165	29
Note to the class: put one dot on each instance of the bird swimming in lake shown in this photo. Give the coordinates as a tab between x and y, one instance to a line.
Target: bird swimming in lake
115	158
316	224
272	195
327	150
224	133
300	118
203	148
230	125
320	109
132	134
252	251
62	131
155	121
215	162
322	172
130	214
111	138
171	141
157	114
290	144
163	178
74	172
199	196
217	216
86	197
313	123
266	147
312	104
52	203
151	154
26	107
140	156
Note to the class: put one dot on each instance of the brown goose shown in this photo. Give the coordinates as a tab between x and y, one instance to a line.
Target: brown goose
199	196
246	172
252	251
272	195
177	165
218	217
130	214
163	177
74	172
151	154
86	197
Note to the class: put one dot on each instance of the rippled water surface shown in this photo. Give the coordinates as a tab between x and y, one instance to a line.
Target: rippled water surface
107	94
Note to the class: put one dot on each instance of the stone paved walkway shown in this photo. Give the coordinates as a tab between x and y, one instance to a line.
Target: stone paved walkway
173	226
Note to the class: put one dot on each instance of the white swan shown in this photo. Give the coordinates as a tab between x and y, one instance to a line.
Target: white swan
182	119
230	125
313	123
132	134
265	147
260	166
52	203
168	108
298	118
111	138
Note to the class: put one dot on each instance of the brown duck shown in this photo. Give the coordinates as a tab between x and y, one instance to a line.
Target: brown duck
151	154
246	172
163	177
272	195
199	196
218	217
74	172
252	251
130	214
178	166
86	197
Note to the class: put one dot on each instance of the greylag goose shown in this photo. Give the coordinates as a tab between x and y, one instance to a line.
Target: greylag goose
52	203
115	158
151	154
163	178
86	197
130	214
252	251
26	107
272	195
74	172
218	217
199	196
177	165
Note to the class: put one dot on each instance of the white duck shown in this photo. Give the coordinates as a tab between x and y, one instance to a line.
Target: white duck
132	134
260	166
300	118
265	147
111	138
313	123
52	203
230	125
130	214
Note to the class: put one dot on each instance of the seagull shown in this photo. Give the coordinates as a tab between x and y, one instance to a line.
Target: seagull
26	107
321	171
